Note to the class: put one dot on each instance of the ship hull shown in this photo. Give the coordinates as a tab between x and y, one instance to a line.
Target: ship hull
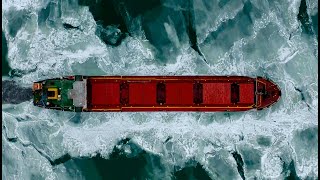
155	93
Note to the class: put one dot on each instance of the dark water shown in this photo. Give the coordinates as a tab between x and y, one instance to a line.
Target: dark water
137	165
239	161
315	24
108	13
116	167
291	171
303	17
192	173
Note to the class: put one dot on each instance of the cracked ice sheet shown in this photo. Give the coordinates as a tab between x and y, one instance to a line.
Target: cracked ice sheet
23	162
192	135
205	136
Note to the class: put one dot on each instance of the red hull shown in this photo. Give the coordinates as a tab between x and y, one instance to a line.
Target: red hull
179	93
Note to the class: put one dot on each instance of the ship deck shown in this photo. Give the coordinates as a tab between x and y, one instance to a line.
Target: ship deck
166	93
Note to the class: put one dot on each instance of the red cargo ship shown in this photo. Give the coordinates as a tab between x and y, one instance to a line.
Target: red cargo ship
156	93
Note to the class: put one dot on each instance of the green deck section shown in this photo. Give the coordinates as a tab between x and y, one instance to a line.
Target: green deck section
63	86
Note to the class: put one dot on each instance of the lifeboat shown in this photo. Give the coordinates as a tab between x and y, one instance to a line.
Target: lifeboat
155	93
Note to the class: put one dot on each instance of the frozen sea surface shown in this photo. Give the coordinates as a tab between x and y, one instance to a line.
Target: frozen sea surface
47	39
